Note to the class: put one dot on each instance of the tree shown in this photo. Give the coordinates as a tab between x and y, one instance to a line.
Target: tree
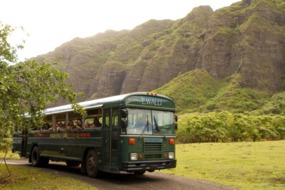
27	88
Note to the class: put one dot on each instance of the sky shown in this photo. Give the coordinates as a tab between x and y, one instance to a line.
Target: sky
49	23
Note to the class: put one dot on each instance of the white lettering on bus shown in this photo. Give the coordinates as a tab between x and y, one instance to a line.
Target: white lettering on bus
152	101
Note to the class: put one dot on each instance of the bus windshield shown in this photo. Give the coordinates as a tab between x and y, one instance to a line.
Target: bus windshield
142	121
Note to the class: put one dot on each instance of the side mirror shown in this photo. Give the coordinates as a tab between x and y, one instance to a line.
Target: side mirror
124	113
124	118
124	123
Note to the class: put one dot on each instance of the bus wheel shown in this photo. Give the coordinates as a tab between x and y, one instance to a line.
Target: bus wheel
72	163
139	172
91	164
36	158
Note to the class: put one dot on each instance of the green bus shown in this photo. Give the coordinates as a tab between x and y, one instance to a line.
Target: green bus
132	132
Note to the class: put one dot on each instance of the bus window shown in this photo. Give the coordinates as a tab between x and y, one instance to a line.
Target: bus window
163	122
93	122
47	122
45	126
60	126
70	125
88	123
107	118
94	118
115	117
150	122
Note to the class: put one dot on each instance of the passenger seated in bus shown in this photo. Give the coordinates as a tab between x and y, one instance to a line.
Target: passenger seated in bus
86	125
53	128
70	125
46	126
60	126
78	124
96	123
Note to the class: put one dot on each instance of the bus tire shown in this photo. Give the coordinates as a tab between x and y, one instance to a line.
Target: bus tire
91	164
36	158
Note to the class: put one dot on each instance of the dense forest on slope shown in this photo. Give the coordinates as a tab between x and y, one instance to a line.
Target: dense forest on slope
231	59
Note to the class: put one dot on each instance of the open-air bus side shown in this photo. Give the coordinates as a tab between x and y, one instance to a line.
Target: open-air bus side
136	133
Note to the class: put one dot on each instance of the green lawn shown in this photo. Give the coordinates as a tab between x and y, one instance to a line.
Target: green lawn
29	178
245	165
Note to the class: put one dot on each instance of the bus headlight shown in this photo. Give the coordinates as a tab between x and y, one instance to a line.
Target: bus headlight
134	156
171	155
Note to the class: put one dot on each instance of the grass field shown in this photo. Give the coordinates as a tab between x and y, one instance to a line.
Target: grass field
28	178
244	165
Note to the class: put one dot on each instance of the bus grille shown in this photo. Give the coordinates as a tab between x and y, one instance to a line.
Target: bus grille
152	146
151	156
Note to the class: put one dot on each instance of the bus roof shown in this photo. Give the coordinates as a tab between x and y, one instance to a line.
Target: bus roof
101	102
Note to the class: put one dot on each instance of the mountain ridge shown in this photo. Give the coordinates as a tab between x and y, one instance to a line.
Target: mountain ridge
246	38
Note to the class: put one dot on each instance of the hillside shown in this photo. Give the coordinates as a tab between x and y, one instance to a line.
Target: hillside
232	58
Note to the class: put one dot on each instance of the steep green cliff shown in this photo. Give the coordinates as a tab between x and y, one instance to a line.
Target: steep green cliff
232	58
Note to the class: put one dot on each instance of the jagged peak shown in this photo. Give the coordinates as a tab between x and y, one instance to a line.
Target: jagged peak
199	12
199	15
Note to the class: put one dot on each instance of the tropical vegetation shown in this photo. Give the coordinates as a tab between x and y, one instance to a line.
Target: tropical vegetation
26	88
212	110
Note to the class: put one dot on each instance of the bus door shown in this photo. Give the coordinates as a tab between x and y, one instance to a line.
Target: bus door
111	139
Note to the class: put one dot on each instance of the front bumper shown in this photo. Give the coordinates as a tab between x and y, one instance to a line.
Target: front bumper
148	165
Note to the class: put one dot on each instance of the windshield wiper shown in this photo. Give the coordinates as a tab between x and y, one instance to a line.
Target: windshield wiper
146	126
155	125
